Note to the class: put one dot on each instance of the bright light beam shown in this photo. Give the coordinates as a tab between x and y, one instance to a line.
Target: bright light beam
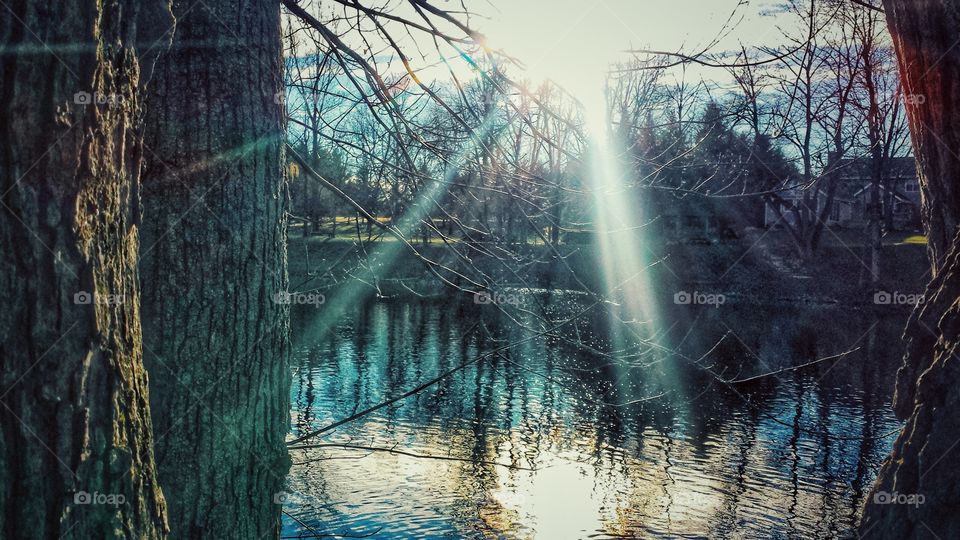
620	233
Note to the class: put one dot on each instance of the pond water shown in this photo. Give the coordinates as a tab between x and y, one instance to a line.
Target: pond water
552	440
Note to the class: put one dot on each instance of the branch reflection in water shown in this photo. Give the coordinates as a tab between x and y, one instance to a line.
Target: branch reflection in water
551	442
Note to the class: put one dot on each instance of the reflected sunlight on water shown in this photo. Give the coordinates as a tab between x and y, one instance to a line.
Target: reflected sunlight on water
530	453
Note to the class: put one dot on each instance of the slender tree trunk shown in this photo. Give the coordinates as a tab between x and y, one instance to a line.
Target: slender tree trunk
76	459
889	201
213	261
873	226
924	456
875	139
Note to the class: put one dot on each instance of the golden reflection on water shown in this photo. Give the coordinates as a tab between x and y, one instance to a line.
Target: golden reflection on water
572	493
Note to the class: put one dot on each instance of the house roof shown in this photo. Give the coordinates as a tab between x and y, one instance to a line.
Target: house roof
896	194
859	168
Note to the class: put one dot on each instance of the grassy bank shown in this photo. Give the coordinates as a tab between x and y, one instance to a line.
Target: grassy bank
758	267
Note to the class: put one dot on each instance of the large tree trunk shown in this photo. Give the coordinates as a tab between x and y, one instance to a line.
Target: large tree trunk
213	258
924	457
76	459
924	36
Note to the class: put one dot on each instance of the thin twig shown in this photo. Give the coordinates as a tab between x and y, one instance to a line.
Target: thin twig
393	450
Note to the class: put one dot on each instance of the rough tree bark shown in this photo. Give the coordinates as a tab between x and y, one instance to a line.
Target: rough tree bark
212	259
76	459
923	460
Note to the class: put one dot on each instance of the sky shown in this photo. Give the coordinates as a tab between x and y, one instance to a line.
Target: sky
572	42
575	42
